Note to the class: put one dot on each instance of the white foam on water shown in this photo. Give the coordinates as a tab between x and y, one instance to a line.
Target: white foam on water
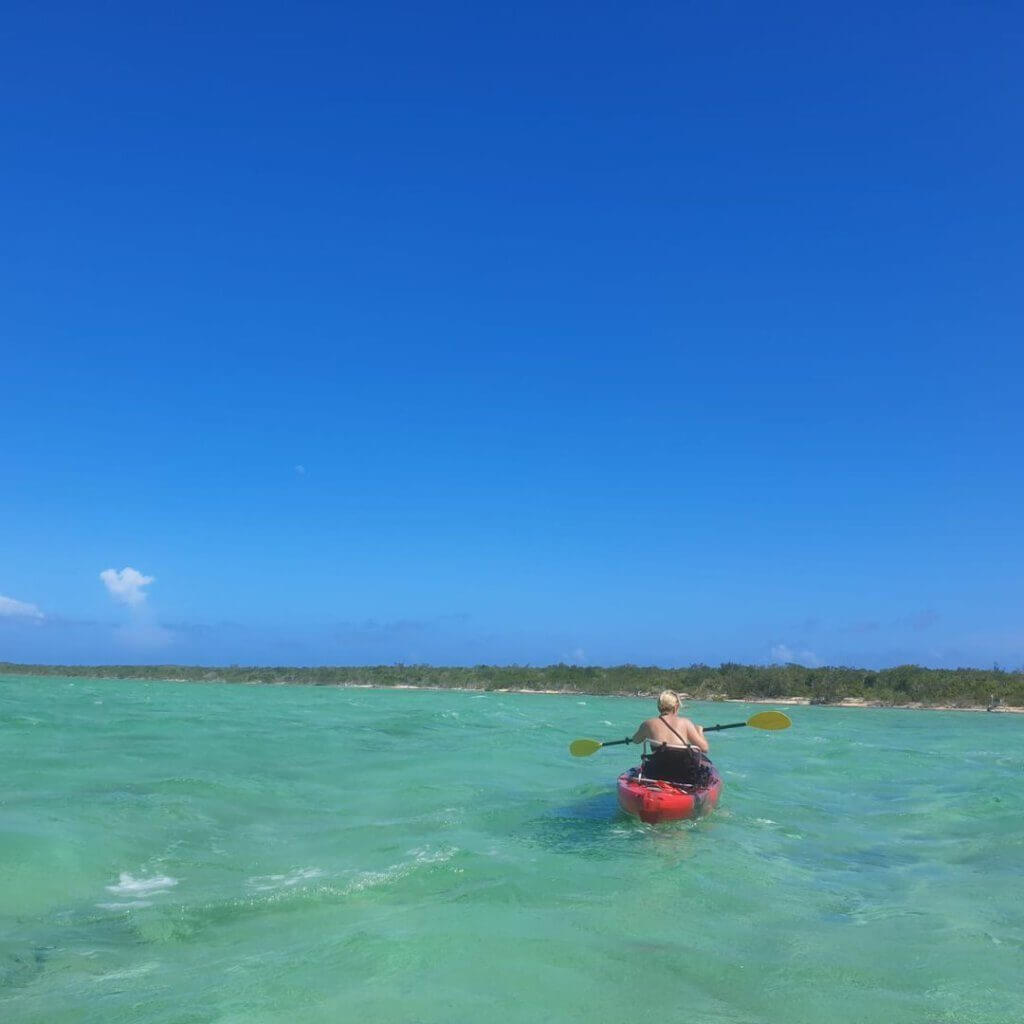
127	905
282	887
129	886
267	883
375	879
133	972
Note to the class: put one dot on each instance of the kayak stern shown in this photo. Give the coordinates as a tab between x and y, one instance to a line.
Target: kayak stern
654	801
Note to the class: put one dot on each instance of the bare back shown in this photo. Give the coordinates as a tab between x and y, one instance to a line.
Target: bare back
657	730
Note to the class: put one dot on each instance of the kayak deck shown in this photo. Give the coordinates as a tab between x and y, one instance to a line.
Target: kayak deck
654	801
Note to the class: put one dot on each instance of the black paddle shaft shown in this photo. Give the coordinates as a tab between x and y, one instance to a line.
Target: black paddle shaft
615	743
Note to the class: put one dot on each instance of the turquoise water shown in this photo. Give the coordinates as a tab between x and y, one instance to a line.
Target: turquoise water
187	853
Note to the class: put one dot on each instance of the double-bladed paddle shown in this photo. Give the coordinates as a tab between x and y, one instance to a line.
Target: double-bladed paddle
769	720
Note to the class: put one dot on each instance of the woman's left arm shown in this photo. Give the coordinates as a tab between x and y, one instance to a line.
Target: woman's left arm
643	733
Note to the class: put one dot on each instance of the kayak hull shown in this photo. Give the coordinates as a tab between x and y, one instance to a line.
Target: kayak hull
656	801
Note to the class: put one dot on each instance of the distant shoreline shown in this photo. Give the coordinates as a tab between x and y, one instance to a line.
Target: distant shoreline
847	702
306	677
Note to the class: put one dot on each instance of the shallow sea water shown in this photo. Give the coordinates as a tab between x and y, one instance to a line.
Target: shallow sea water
191	853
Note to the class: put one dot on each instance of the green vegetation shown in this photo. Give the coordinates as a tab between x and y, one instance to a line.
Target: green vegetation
904	684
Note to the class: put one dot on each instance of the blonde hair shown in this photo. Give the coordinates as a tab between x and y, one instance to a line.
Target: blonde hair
668	700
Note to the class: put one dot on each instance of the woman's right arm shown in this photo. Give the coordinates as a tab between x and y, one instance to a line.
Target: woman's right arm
695	734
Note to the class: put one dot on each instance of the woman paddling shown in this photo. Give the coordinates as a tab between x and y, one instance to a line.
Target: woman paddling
672	739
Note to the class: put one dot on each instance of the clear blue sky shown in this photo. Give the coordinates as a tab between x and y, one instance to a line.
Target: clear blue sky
595	332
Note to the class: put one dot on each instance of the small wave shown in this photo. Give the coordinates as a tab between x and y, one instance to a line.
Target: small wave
321	890
132	972
129	886
127	905
267	883
373	879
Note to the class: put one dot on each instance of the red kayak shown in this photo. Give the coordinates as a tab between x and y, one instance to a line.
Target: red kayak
653	800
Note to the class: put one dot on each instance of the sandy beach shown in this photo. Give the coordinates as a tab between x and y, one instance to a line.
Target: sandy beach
847	702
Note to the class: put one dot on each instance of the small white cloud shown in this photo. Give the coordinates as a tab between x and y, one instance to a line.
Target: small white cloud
785	655
300	470
126	586
9	608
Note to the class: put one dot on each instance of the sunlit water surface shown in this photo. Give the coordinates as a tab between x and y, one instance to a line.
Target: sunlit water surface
187	853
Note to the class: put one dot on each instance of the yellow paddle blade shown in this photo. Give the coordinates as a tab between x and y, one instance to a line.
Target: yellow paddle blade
583	748
769	720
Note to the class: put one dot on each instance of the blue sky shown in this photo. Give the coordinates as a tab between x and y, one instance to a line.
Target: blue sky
597	332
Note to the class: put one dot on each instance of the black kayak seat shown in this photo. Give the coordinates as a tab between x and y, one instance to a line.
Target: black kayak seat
681	765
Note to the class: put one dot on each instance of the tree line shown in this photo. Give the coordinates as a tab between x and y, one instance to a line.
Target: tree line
902	684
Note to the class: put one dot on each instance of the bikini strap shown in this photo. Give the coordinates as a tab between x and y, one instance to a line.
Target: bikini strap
662	717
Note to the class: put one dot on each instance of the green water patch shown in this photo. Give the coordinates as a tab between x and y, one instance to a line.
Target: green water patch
226	854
